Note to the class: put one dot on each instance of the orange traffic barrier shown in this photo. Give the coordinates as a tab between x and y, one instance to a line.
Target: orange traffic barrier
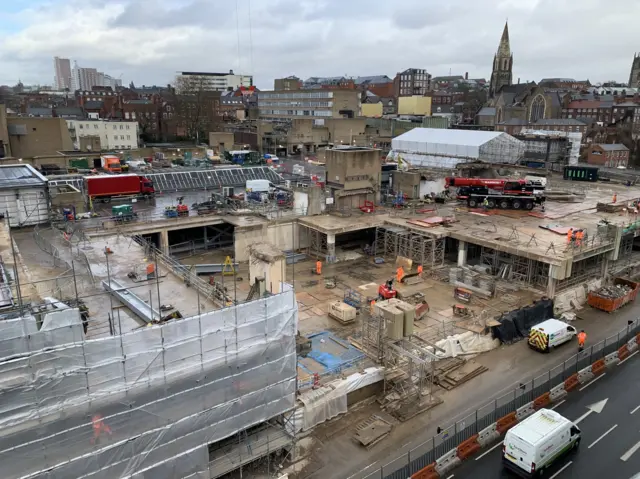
598	367
506	422
623	352
428	472
571	382
542	401
468	448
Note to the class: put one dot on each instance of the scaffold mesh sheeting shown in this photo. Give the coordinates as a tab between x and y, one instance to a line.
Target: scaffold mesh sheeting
146	402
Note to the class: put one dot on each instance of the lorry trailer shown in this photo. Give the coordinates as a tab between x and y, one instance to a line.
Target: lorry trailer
107	187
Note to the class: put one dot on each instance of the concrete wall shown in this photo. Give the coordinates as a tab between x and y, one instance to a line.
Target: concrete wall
4	134
346	100
414	105
244	237
353	168
285	236
431	186
406	181
273	273
220	141
44	136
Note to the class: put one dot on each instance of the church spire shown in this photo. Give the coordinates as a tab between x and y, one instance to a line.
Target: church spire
504	49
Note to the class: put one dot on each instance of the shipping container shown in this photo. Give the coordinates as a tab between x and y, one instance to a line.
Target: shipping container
580	173
606	302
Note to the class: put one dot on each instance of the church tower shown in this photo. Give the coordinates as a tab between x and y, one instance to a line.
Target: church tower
634	76
502	64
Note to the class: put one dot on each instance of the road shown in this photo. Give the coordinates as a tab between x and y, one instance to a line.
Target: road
610	445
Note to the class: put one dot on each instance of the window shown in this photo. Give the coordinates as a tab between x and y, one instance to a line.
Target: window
80	125
121	127
114	127
127	127
537	109
128	137
122	137
95	126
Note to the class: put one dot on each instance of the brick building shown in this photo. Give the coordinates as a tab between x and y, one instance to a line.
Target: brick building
612	156
413	81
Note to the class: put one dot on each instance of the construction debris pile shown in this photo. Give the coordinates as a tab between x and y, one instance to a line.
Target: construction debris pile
613	292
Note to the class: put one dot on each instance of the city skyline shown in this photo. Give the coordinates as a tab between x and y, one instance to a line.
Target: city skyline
548	39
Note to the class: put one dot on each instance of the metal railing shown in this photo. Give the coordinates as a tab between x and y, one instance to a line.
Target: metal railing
463	428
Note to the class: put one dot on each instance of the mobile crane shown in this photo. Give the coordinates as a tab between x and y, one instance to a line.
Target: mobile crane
499	192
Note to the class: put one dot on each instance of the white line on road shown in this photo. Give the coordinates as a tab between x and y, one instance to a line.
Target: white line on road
487	452
628	357
561	402
635	410
630	452
450	476
562	469
590	383
598	440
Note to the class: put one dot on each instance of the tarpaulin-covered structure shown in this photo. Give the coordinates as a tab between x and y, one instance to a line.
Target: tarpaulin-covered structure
438	148
515	325
147	403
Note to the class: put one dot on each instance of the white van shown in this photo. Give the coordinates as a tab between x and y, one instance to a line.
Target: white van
537	442
259	186
549	334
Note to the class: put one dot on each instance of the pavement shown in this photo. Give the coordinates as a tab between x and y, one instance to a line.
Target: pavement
340	458
607	411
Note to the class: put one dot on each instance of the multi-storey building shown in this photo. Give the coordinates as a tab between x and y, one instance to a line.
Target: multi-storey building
289	83
212	81
309	104
612	155
62	77
114	135
411	82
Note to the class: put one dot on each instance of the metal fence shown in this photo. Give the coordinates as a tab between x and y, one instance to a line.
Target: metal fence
464	427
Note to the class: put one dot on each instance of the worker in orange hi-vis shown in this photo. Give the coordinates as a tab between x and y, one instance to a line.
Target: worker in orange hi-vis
99	427
579	236
569	235
399	274
615	197
372	306
318	267
582	338
420	270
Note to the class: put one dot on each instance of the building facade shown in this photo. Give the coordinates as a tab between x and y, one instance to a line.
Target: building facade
412	81
501	74
309	104
30	137
612	156
62	77
114	135
215	81
288	83
634	75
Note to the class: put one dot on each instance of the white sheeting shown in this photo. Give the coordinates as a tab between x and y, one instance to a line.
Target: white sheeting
466	343
330	400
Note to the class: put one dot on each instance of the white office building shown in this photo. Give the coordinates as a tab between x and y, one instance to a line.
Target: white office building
114	135
213	81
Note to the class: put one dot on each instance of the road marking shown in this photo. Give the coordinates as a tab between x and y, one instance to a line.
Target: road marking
450	476
628	357
562	469
635	409
561	402
487	452
590	383
630	452
598	440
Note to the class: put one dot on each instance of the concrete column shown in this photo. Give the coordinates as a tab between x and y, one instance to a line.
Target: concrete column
164	241
331	248
551	287
205	238
605	268
463	248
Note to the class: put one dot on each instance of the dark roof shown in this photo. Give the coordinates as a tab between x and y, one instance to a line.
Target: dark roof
448	78
559	121
612	147
487	111
69	111
12	176
139	102
93	105
514	121
35	111
375	79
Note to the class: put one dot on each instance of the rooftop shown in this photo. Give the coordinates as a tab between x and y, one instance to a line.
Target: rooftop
559	121
449	137
612	147
12	176
373	79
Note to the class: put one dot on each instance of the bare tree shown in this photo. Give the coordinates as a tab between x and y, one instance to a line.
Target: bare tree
197	108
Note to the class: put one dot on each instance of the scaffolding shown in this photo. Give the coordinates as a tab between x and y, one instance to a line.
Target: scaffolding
393	241
317	243
515	268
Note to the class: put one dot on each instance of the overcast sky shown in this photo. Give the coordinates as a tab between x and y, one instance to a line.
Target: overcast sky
148	41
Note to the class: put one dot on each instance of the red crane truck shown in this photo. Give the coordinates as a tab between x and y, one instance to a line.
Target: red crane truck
499	192
106	187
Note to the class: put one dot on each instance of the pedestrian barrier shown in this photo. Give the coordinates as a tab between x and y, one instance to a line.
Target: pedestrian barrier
598	367
558	392
542	401
611	359
481	429
506	422
525	411
623	352
488	435
585	375
447	462
428	472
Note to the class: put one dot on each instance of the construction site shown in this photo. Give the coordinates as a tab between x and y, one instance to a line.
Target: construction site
251	340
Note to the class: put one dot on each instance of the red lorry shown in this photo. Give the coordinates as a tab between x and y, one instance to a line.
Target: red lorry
105	187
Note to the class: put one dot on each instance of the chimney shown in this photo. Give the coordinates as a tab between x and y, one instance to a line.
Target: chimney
466	75
518	80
